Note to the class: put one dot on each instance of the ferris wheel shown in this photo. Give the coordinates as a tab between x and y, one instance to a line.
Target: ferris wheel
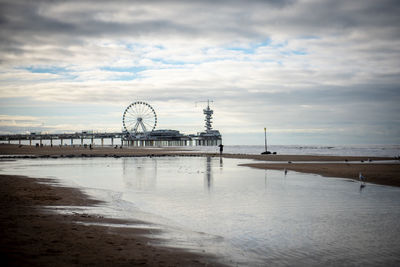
139	118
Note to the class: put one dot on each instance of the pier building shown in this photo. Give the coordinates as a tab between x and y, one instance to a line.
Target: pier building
139	122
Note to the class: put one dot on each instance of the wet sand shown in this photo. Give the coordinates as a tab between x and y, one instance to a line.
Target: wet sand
385	174
32	236
80	151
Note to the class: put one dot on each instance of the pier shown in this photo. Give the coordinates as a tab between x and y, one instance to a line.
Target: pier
64	138
157	138
139	121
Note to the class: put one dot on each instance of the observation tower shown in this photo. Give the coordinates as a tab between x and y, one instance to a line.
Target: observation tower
210	137
208	112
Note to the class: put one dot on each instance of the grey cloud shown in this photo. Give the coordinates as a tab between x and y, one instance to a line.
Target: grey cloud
214	18
43	22
342	14
65	23
329	95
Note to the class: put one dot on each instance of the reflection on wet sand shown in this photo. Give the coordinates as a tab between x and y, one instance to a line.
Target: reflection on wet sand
362	186
140	174
208	179
265	178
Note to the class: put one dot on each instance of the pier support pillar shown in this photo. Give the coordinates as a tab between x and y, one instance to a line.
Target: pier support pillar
41	142
102	141
112	141
30	141
92	141
61	141
51	142
19	141
81	141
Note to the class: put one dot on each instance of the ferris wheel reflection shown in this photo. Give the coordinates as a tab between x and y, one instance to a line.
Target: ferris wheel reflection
140	173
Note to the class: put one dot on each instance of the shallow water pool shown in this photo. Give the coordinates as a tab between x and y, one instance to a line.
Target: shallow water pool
245	216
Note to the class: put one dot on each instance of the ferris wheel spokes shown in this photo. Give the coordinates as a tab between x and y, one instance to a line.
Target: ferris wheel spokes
139	118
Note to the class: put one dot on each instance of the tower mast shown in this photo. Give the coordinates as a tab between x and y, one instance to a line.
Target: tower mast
208	112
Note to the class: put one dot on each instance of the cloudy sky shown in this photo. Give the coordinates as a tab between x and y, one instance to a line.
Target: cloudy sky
312	72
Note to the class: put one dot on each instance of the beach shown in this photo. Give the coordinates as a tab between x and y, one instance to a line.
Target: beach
31	235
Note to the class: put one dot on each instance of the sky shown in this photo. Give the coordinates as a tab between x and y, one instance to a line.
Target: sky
311	72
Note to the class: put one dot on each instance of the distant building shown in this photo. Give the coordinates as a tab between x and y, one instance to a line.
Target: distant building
159	138
209	137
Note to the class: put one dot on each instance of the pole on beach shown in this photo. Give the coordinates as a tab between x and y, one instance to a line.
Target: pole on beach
265	135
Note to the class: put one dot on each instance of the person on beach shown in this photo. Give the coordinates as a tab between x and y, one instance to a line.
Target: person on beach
361	177
221	149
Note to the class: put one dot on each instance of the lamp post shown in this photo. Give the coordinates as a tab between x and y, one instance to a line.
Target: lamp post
265	134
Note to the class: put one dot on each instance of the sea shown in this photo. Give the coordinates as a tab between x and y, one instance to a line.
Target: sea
330	150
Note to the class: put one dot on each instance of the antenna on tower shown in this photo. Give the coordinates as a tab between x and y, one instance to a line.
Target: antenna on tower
208	102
